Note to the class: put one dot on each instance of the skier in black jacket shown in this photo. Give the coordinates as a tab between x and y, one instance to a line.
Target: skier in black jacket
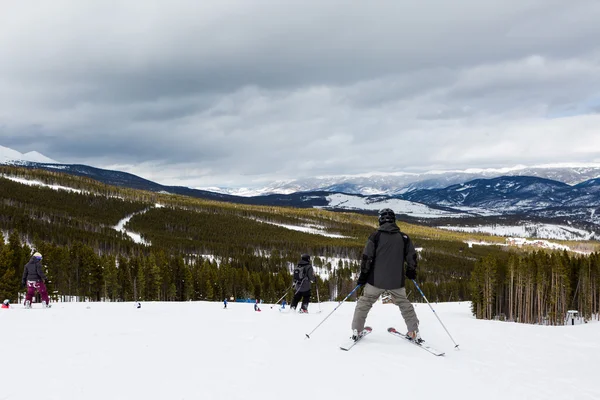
382	270
303	277
35	279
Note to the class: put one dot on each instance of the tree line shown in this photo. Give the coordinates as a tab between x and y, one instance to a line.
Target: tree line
538	287
207	250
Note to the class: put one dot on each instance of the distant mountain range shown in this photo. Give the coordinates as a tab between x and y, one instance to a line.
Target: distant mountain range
572	195
394	184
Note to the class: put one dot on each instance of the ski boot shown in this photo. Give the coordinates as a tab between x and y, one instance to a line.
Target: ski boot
28	304
415	336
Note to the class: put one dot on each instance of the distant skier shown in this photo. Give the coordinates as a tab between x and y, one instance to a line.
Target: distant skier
256	307
382	269
225	303
6	303
138	304
283	303
303	277
35	279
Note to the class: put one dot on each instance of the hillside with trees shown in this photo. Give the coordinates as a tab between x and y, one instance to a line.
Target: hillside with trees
198	249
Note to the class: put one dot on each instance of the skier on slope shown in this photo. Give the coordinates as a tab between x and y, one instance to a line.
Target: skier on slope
382	269
35	279
6	303
303	277
225	303
256	307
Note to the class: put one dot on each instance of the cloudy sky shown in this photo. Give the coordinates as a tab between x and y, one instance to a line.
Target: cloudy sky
243	92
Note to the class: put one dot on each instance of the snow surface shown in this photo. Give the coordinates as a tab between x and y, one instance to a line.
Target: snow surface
136	237
198	350
410	208
314	229
39	183
520	242
8	155
528	230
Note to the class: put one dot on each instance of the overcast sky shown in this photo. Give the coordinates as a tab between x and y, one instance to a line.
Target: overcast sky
240	93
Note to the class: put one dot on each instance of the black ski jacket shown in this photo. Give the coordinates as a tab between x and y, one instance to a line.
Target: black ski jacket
384	262
33	271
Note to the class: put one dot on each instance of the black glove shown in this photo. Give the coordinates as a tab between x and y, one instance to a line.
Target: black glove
362	279
411	273
23	284
45	281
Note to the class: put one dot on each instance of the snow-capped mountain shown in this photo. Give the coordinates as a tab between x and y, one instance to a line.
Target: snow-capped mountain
511	193
426	197
399	183
10	156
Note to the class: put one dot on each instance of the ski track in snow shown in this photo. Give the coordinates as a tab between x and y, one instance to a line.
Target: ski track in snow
198	350
136	237
314	229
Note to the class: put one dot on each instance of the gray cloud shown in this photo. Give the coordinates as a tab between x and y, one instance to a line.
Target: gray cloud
242	92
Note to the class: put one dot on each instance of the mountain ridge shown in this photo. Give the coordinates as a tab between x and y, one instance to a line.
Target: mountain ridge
522	197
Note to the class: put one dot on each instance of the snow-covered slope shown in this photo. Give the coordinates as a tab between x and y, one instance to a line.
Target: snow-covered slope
349	202
10	156
42	184
529	230
198	350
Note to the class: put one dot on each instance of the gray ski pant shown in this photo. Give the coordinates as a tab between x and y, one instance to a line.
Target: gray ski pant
370	296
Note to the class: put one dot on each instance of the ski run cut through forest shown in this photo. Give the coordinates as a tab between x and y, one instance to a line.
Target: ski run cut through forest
199	350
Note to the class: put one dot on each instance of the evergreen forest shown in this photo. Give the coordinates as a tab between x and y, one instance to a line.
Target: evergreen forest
194	249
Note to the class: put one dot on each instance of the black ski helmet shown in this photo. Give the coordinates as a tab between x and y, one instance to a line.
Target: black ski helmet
305	257
386	215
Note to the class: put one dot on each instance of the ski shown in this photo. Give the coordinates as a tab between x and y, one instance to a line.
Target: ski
424	346
350	343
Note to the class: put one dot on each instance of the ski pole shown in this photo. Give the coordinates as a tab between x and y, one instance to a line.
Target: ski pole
422	294
286	292
336	307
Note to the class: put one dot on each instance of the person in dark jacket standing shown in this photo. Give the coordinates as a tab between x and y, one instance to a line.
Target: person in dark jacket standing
382	270
303	277
35	279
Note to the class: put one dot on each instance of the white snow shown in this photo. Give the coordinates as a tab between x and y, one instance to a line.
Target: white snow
314	229
198	350
410	208
39	183
520	242
8	156
528	230
136	237
37	157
